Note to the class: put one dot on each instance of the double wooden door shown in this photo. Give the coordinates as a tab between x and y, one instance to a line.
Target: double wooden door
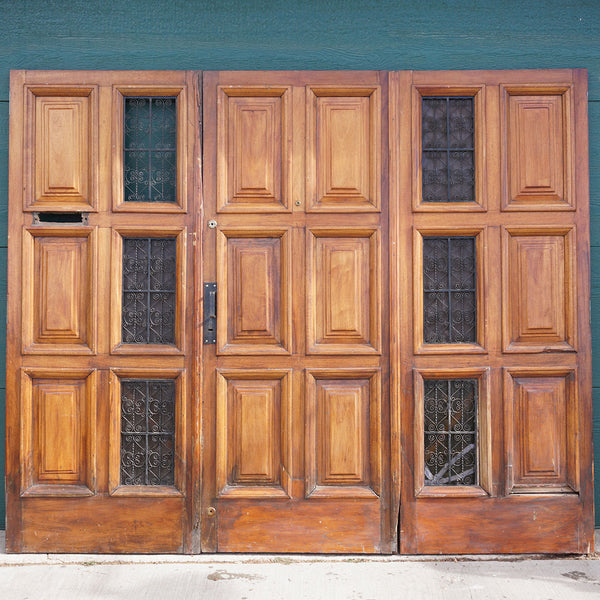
298	312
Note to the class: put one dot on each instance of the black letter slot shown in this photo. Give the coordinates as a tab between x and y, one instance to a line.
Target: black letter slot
60	218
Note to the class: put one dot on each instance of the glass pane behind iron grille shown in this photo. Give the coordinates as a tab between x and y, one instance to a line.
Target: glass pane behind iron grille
448	150
150	149
147	432
449	290
149	280
450	420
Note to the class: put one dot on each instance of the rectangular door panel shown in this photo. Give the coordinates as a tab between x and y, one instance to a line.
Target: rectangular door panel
63	132
253	433
114	525
343	434
343	153
343	291
254	310
538	154
538	290
254	147
59	291
514	525
59	433
541	417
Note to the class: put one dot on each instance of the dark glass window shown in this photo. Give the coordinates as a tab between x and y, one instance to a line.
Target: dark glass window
147	432
150	149
449	290
149	280
448	149
450	419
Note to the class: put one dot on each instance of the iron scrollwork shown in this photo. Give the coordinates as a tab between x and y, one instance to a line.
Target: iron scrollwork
149	290
449	290
450	420
147	432
150	149
448	149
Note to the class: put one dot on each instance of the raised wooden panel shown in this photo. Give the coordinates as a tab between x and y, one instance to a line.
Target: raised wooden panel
541	431
343	154
58	429
343	291
342	439
253	288
253	150
538	149
62	133
538	292
253	433
58	291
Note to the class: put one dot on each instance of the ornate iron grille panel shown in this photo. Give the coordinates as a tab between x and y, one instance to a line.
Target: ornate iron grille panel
449	290
149	280
448	149
450	419
150	149
147	432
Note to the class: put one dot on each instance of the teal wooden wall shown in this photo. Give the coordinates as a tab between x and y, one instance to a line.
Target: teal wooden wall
319	34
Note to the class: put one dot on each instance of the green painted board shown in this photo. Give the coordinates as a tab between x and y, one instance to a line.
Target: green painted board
321	34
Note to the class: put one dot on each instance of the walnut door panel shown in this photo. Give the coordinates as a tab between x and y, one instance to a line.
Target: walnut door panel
253	433
343	291
253	126
541	424
59	299
58	433
62	130
538	290
342	456
538	160
343	149
254	313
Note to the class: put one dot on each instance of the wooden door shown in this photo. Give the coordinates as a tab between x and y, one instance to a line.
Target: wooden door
491	367
296	452
100	336
395	271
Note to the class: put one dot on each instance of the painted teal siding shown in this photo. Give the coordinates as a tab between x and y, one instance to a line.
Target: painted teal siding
286	34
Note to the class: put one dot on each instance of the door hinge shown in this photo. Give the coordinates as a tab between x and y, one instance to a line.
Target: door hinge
210	313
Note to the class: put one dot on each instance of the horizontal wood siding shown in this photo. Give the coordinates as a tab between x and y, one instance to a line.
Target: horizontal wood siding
332	35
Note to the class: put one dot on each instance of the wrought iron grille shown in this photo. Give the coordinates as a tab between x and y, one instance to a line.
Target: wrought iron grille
449	290
149	290
450	419
150	149
448	149
147	432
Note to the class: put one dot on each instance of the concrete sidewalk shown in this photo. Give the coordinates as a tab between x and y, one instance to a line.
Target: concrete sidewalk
296	577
